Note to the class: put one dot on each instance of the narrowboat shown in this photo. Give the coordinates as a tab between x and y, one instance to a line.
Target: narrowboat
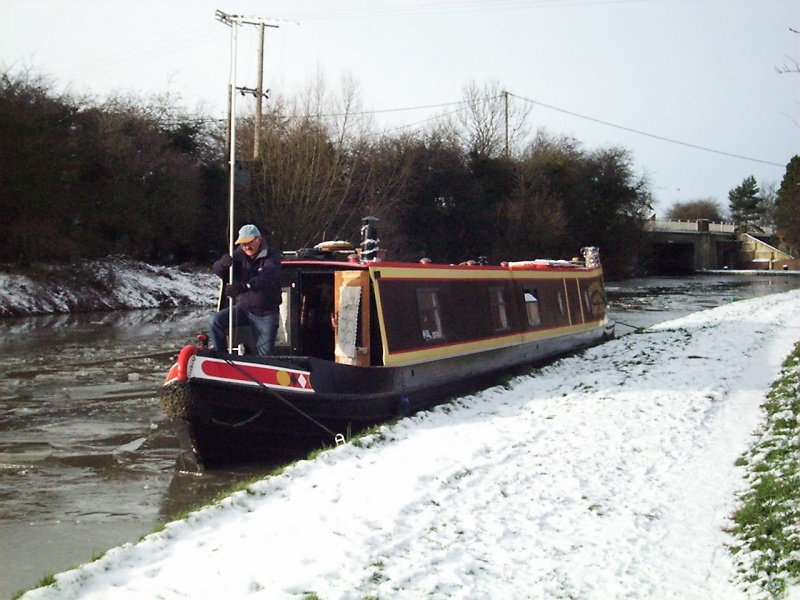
364	340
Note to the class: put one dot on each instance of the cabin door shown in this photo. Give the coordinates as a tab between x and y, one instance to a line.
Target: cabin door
351	298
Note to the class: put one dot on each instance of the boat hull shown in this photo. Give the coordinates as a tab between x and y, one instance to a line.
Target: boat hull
243	409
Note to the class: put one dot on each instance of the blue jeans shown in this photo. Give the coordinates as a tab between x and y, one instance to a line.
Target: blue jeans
265	329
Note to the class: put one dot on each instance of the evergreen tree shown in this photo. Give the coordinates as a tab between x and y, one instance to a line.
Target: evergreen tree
745	205
787	206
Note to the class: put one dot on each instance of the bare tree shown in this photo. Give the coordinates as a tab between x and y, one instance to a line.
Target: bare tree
790	65
769	196
318	173
490	124
692	210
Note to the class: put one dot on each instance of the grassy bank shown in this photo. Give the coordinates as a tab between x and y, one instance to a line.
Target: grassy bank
767	522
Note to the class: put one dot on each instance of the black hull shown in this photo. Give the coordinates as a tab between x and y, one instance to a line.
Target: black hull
222	421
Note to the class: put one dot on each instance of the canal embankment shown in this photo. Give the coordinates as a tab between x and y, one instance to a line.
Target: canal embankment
111	284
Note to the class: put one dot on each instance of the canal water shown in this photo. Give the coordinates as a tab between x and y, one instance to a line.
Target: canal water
87	459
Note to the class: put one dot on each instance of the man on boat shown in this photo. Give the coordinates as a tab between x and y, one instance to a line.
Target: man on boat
256	289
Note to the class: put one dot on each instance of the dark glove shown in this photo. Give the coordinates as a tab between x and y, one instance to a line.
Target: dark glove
226	260
234	289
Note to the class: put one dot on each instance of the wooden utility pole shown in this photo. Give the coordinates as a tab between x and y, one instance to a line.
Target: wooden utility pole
259	93
234	21
505	96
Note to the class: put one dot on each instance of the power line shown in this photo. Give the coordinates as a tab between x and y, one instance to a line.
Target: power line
192	39
154	50
201	36
114	61
428	120
463	104
651	135
438	8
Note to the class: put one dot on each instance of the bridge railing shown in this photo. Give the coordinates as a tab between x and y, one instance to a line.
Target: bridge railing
721	227
681	225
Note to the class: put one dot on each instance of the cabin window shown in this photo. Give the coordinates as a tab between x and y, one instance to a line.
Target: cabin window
561	306
587	302
497	303
532	308
429	315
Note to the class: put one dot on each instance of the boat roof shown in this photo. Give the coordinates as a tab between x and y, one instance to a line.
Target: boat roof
338	264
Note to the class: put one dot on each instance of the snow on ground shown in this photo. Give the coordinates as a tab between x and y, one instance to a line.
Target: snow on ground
110	284
605	475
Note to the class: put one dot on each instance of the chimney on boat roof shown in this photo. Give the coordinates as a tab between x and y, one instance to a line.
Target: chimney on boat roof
369	239
591	255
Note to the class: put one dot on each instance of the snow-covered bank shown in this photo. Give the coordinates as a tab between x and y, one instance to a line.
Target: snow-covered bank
605	475
111	284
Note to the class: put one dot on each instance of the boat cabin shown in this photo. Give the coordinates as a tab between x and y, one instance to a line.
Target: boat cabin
386	314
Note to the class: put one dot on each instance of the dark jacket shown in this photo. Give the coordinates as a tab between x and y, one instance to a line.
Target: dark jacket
262	275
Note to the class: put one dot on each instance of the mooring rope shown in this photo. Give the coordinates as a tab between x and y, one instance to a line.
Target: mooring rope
631	326
338	437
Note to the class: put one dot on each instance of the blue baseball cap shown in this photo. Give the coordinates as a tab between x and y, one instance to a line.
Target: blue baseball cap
247	234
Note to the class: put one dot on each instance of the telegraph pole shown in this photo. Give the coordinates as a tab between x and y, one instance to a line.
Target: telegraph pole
233	21
259	93
505	96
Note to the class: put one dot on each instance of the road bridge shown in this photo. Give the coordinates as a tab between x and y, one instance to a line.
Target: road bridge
688	246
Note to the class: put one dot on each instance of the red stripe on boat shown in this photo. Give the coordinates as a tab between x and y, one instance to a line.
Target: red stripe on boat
247	373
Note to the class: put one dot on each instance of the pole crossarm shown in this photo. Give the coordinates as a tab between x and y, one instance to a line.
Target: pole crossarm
231	20
252	92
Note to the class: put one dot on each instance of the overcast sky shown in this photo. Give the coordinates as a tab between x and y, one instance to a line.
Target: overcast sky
690	87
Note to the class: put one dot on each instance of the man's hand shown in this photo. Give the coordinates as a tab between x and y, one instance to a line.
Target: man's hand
234	289
226	260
